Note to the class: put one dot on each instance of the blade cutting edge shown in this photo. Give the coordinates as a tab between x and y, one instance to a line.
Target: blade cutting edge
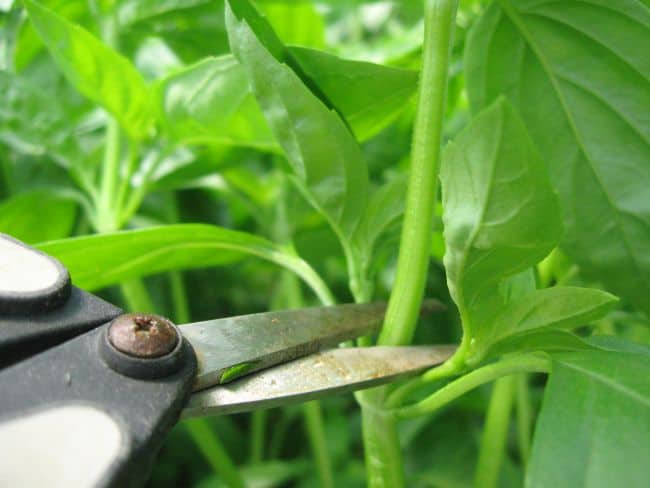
317	376
235	346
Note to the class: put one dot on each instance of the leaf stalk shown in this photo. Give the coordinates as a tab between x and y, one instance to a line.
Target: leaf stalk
528	363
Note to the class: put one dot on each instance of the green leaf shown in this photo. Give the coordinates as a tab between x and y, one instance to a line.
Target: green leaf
296	23
594	425
28	43
547	339
193	29
369	96
210	102
96	70
321	150
578	73
100	260
500	216
37	216
558	307
385	207
34	122
133	11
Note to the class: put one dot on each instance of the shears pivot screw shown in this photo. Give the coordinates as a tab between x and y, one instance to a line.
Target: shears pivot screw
142	335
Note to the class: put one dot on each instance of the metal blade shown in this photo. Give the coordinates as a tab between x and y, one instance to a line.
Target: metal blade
316	376
231	347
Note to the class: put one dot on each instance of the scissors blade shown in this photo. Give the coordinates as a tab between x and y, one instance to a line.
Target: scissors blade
231	347
316	376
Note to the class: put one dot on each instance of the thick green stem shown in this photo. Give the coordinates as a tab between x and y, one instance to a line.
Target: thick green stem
415	248
495	433
384	463
214	451
381	442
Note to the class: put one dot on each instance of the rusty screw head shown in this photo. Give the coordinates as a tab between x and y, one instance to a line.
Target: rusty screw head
143	335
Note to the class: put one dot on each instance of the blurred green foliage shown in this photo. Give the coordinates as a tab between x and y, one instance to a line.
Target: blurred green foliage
144	118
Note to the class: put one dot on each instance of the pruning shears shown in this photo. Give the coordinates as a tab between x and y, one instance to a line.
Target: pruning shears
87	393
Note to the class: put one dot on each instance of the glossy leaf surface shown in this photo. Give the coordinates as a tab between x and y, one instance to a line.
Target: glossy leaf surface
578	73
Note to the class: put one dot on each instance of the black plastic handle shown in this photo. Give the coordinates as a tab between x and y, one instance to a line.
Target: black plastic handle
67	415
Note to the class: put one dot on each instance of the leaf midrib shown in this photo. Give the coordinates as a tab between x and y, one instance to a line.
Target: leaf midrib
517	21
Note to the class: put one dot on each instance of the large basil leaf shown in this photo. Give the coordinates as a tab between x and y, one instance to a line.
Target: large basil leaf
501	215
321	150
100	260
594	425
578	73
96	70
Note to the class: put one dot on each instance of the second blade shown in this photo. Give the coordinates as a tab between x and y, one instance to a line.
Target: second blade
232	347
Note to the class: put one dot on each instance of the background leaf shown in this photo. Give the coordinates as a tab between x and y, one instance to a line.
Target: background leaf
296	22
579	75
33	122
500	213
594	426
369	96
210	102
193	29
37	216
96	70
100	260
323	153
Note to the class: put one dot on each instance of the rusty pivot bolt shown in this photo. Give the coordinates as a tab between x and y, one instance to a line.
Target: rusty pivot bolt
143	335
